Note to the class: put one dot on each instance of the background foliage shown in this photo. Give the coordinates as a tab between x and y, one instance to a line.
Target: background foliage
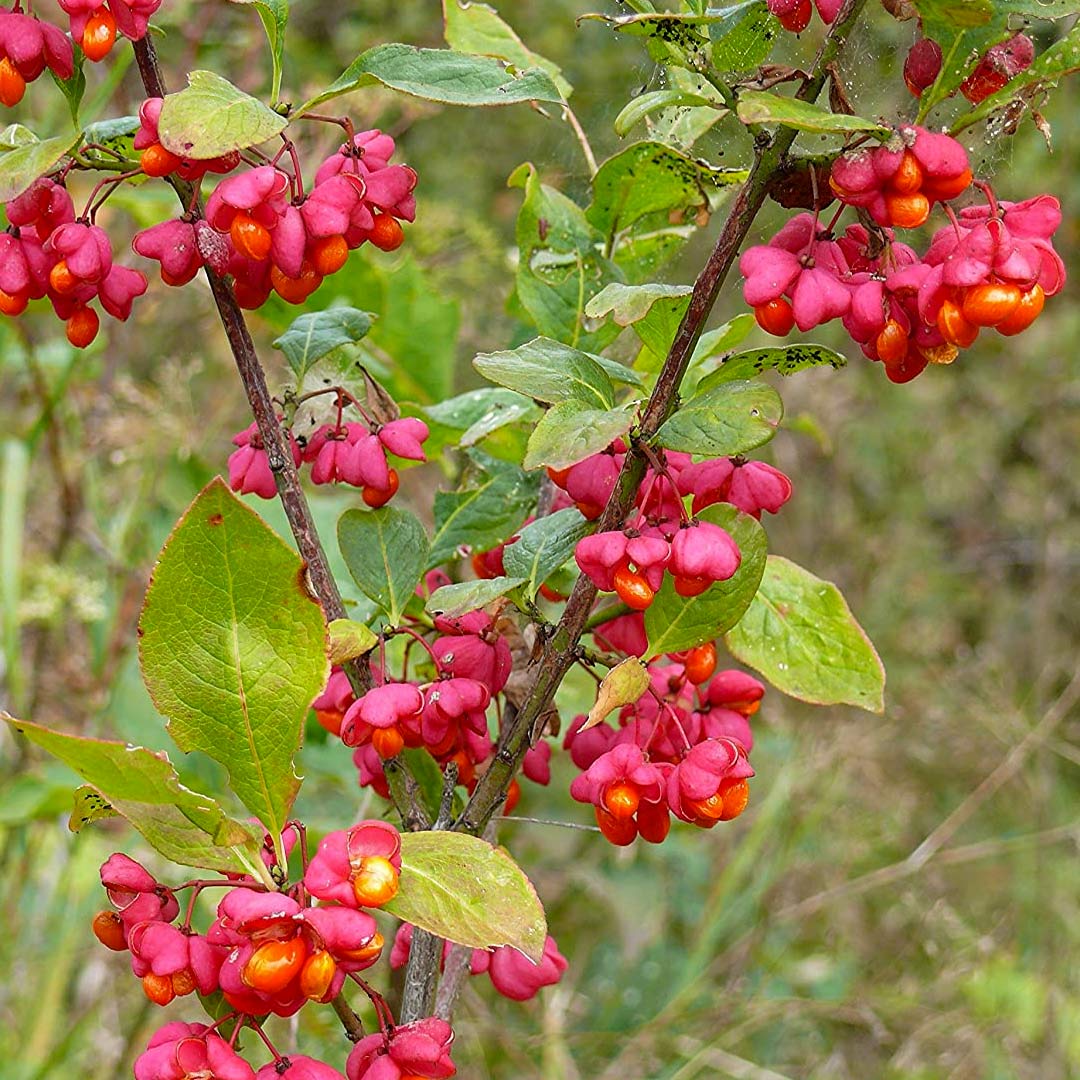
901	898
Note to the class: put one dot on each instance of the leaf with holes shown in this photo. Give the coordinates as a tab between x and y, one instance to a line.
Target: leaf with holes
386	551
674	623
212	118
744	37
800	634
233	647
464	890
142	787
785	360
727	419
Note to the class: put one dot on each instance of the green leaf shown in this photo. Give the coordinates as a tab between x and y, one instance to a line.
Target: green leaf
315	334
349	639
466	596
142	787
482	514
674	623
638	108
478	413
442	75
547	370
428	775
212	117
654	310
386	551
672	37
233	648
785	360
571	431
559	263
744	37
74	88
274	15
471	27
29	159
545	545
800	634
758	107
117	133
715	342
622	685
16	135
618	372
727	419
462	889
1061	59
649	178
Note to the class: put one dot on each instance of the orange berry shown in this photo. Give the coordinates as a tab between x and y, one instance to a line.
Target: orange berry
705	812
892	343
365	952
317	976
953	327
376	497
907	211
549	593
183	983
295	290
274	964
775	317
466	770
691	586
12	84
736	794
908	178
82	327
388	742
700	663
558	476
13	305
989	304
946	188
99	35
329	255
158	988
157	161
61	280
376	882
330	719
1026	312
249	237
386	234
621	801
513	797
589	510
632	589
109	930
619	832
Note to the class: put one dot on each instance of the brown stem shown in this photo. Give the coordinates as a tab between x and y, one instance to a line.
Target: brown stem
402	786
354	1029
559	650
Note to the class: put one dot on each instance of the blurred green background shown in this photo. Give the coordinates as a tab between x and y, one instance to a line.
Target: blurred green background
902	899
